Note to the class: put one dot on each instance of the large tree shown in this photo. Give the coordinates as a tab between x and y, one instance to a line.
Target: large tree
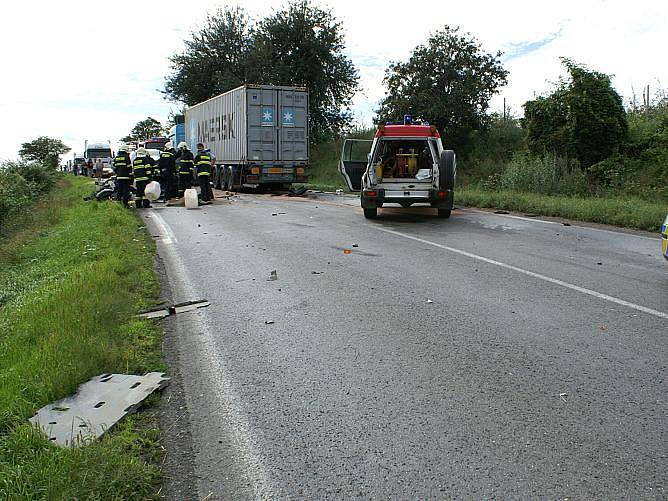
44	150
144	129
216	58
301	45
583	118
449	81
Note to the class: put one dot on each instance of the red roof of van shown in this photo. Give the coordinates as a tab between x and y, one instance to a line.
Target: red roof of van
407	131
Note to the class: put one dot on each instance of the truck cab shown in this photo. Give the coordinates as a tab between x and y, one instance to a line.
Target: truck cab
403	164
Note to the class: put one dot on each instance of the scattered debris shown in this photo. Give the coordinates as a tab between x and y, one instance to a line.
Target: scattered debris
98	405
599	263
501	212
429	301
278	213
317	272
347	251
530	215
174	309
268	322
355	245
604	328
339	192
198	225
563	396
566	224
273	275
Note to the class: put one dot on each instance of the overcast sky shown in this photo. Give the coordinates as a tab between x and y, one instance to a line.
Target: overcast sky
91	70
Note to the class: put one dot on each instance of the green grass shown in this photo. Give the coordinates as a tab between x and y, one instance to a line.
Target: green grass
630	212
70	282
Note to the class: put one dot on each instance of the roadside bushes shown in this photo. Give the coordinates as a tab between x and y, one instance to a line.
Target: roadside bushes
20	183
547	175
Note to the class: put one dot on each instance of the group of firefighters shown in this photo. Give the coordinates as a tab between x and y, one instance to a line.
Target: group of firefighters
174	170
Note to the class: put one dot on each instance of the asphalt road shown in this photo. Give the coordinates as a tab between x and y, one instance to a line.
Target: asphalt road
484	356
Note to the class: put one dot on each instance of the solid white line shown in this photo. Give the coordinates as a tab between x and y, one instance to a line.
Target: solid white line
551	280
168	236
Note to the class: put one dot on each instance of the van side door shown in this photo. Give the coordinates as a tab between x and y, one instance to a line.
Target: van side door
353	163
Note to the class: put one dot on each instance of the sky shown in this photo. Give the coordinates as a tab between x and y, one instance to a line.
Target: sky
90	70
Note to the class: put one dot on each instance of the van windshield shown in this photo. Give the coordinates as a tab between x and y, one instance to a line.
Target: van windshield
403	158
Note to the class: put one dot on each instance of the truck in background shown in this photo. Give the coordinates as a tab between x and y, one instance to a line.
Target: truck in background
257	134
98	151
177	134
155	143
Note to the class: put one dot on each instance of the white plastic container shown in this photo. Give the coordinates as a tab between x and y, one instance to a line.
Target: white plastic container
152	191
190	197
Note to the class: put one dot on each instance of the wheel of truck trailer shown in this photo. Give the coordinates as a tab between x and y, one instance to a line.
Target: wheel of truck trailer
370	213
226	179
447	165
444	213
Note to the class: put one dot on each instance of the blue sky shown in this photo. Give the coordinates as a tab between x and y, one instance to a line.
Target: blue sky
80	72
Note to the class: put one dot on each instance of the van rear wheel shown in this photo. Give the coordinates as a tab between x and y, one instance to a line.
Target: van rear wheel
444	213
370	213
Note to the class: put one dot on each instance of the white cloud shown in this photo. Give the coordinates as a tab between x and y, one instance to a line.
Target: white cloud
91	70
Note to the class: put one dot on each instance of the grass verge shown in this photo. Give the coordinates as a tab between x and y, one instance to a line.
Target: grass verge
629	212
70	282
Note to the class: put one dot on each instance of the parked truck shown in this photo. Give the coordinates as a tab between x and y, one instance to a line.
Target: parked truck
257	134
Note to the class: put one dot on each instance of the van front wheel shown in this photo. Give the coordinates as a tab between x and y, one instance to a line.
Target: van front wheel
370	213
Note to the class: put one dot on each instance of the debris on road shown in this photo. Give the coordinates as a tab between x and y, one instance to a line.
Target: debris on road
317	272
98	405
501	212
174	309
339	192
355	245
347	251
429	301
563	396
273	275
278	213
566	224
298	192
599	263
268	322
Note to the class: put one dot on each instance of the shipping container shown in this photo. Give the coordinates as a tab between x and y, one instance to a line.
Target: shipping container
258	135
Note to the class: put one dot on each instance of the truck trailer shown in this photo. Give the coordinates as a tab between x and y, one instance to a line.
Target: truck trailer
257	134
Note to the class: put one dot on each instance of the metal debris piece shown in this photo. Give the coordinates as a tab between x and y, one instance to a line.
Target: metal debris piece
273	275
429	301
355	245
174	309
268	322
98	405
563	396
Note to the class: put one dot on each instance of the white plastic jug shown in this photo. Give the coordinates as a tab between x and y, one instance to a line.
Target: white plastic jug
190	197
152	191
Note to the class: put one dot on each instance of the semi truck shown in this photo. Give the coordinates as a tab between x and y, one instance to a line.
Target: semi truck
257	135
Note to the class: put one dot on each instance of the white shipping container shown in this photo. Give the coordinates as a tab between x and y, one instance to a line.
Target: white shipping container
252	125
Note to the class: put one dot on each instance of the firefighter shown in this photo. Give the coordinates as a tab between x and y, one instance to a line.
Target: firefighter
167	168
142	169
123	171
203	165
186	168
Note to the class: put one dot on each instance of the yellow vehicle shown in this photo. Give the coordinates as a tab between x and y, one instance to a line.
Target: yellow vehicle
664	238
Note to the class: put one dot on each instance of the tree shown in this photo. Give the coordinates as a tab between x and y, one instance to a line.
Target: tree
584	118
300	45
303	45
215	60
144	129
449	82
44	150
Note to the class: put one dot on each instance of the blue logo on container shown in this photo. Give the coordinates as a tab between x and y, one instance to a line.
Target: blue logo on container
267	116
288	116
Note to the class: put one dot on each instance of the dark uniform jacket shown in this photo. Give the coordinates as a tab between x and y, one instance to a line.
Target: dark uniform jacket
203	163
167	163
186	162
143	168
123	166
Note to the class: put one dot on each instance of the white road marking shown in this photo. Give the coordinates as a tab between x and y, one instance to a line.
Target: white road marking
167	235
551	280
576	226
249	442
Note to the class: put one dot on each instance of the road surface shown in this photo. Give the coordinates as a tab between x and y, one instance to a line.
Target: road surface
484	356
